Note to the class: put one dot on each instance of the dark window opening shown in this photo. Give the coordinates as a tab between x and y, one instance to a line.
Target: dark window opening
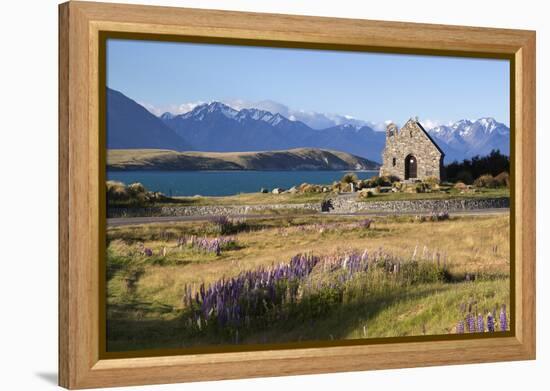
393	162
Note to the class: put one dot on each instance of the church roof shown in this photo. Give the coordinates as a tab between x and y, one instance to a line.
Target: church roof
428	136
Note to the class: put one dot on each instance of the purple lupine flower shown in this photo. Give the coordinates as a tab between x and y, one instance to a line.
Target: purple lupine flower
460	327
148	252
503	319
480	324
470	322
490	323
241	300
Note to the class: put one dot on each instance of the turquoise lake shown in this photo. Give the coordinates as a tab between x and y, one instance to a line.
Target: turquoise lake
221	183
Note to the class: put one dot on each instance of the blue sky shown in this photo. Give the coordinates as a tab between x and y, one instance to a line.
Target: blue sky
367	86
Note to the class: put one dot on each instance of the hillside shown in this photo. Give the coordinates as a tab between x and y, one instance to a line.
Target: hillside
284	160
130	125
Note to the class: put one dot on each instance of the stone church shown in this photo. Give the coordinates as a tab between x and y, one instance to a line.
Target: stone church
410	153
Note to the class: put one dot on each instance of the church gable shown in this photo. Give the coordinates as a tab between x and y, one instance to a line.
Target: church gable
410	153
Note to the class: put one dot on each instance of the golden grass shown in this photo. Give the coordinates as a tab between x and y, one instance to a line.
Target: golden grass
255	199
146	313
468	244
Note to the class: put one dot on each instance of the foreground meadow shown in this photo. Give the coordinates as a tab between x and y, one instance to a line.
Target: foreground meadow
287	279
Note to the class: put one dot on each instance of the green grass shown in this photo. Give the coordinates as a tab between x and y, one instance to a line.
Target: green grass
145	307
424	309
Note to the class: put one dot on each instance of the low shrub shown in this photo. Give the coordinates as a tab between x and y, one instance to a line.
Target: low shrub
423	187
440	216
135	194
460	186
431	181
486	180
307	188
365	194
380	181
223	225
503	179
349	178
116	191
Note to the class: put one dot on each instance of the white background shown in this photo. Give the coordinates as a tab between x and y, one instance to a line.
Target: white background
28	214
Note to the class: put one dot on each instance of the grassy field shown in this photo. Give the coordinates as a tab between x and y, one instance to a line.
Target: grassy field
418	284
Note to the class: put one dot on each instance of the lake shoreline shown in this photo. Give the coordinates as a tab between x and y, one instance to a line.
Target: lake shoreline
188	183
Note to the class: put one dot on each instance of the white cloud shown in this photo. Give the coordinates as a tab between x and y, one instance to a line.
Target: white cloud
428	123
313	119
174	109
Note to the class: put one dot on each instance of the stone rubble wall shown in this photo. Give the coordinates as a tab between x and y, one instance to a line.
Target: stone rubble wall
419	206
340	204
208	210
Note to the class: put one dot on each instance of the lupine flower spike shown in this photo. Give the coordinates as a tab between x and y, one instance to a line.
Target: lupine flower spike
503	319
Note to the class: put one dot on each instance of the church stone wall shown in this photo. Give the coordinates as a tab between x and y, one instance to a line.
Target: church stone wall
411	140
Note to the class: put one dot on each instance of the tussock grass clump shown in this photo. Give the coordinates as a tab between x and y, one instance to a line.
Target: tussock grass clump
349	178
223	225
486	180
503	179
380	181
134	194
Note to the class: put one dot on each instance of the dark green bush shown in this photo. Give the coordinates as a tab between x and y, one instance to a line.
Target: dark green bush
464	177
468	169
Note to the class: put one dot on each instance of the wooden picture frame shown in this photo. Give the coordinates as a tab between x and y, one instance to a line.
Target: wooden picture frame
81	364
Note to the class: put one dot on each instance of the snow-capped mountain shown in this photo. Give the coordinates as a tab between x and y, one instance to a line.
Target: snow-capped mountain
217	127
220	128
465	138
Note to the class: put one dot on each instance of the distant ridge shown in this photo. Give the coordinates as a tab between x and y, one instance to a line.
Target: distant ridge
130	125
284	160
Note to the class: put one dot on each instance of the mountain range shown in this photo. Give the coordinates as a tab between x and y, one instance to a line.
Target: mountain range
216	127
464	139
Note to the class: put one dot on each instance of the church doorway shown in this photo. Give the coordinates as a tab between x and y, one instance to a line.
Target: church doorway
410	167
